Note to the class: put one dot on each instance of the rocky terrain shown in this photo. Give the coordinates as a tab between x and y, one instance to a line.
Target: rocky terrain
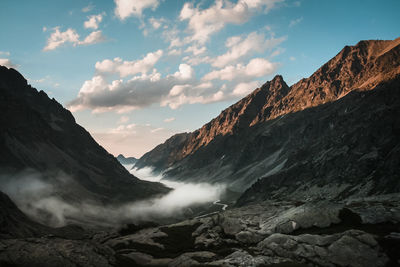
338	128
362	232
39	138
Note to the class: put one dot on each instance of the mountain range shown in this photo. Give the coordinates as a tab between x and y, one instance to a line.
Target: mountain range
334	134
317	165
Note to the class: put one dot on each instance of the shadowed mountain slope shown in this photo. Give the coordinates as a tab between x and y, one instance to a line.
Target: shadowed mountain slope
37	133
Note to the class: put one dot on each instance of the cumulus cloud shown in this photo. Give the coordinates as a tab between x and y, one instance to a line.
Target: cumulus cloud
93	21
93	38
138	92
257	67
202	23
126	68
243	89
127	8
58	38
7	63
238	48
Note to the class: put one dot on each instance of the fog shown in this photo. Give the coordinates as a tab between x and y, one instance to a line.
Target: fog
40	198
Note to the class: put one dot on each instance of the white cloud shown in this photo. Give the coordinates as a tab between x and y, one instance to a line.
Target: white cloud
127	8
169	119
4	53
93	21
239	48
202	23
88	8
93	38
243	89
156	130
196	50
257	67
126	68
156	23
58	38
185	72
295	22
7	63
175	52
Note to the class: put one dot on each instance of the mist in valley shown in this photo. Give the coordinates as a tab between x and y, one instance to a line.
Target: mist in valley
39	196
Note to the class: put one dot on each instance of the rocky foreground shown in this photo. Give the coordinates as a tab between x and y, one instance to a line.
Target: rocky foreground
359	232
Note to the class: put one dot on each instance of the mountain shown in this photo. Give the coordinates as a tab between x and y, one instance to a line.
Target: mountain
339	128
38	135
126	161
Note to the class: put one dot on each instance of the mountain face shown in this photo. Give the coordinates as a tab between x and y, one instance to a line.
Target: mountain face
126	161
339	127
38	134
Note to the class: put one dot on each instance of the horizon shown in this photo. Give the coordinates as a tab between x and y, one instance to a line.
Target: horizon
135	75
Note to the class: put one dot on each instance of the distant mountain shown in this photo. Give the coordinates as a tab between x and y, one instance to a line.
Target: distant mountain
339	128
37	133
126	161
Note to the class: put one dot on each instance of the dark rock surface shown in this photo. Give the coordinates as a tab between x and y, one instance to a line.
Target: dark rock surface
37	133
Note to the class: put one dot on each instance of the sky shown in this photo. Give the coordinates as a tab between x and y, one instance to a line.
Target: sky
135	72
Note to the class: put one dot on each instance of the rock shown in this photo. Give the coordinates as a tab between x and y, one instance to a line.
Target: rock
342	249
230	226
248	237
192	258
55	252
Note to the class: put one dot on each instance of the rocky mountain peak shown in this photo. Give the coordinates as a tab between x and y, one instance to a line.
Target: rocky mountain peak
359	67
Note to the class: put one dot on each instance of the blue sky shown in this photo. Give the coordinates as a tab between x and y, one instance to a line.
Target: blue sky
135	72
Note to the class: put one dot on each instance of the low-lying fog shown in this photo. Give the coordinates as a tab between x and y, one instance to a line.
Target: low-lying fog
36	197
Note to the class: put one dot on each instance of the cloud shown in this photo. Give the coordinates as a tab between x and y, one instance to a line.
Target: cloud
127	8
169	119
88	8
138	92
58	38
93	21
93	38
38	197
196	50
243	89
156	23
174	52
295	22
126	68
4	53
7	63
239	48
202	23
257	67
123	119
